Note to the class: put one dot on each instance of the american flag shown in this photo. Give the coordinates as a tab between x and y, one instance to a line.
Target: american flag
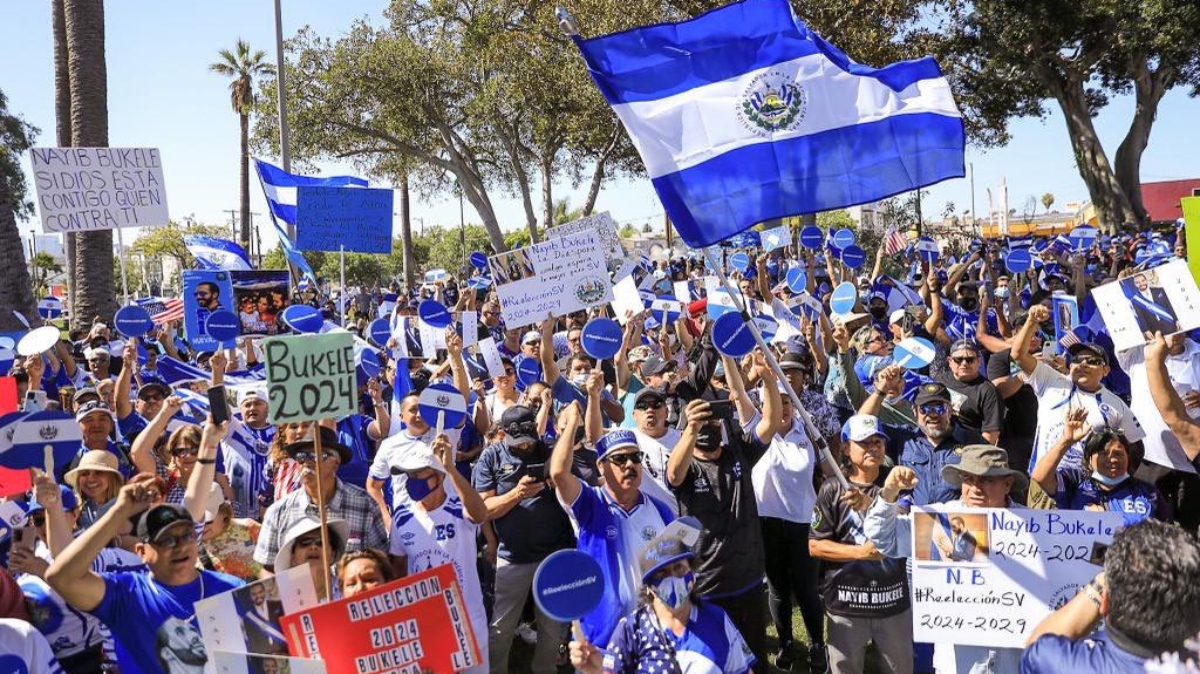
894	241
162	310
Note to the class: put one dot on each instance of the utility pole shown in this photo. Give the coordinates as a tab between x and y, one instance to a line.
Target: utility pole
233	223
256	248
920	220
974	219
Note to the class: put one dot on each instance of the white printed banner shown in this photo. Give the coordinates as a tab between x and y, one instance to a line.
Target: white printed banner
1163	299
604	227
553	278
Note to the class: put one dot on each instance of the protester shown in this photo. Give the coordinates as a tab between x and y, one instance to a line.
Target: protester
97	480
363	571
303	545
976	403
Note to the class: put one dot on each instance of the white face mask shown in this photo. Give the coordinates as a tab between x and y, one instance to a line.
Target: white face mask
580	380
1108	481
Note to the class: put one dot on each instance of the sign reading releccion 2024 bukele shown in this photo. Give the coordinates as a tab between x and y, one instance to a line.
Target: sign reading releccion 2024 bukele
310	377
81	189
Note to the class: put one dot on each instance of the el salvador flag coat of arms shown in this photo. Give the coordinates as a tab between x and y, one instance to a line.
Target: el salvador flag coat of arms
743	114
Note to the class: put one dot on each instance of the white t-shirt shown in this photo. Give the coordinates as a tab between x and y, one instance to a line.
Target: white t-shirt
1056	394
783	477
1162	447
656	452
23	648
396	446
444	536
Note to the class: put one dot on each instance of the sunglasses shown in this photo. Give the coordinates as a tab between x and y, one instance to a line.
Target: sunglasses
38	520
308	541
622	459
173	540
185	451
650	405
963	360
305	457
937	409
151	398
521	429
1093	361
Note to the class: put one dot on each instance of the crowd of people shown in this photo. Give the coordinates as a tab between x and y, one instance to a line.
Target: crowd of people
162	507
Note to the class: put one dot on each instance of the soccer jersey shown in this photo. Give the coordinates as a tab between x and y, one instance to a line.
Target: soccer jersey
244	451
396	446
23	650
1134	499
440	536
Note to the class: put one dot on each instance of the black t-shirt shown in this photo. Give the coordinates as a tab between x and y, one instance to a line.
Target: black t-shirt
729	553
535	527
1020	414
861	589
976	403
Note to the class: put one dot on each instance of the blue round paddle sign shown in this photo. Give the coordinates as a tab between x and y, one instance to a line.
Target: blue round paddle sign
914	353
602	338
380	331
303	319
368	361
927	248
50	308
434	314
445	400
731	336
811	237
797	280
843	238
223	326
739	261
1018	261
568	585
133	321
529	371
7	358
843	298
853	256
478	260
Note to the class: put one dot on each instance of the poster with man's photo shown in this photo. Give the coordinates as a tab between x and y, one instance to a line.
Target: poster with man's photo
261	297
1163	299
203	293
249	663
246	620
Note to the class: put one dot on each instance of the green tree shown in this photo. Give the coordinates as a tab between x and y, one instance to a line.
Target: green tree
276	259
167	241
45	268
1014	59
1047	201
361	269
627	231
831	221
16	292
243	65
516	238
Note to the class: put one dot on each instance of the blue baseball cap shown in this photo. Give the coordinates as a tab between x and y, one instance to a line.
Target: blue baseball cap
66	496
614	440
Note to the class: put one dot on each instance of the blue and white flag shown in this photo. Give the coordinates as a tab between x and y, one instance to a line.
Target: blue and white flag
217	254
743	114
50	307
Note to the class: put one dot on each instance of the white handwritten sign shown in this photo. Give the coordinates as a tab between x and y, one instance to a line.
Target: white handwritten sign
988	576
602	224
81	189
556	277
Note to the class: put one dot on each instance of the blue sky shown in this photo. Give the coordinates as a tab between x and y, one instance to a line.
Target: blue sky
161	94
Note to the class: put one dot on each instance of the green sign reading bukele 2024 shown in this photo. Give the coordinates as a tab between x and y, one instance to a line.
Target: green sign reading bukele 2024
310	377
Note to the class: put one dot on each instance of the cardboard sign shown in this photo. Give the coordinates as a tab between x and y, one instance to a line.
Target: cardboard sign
203	293
568	585
554	278
1164	299
260	298
1191	218
225	662
779	237
988	576
246	620
82	189
352	218
415	624
600	224
31	434
491	356
8	395
310	377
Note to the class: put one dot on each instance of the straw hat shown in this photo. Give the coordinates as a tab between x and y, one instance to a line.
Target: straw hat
100	460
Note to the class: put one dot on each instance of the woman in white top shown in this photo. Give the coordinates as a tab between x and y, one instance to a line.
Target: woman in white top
505	394
783	487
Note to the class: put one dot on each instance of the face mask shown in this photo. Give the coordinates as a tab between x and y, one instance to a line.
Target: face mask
1108	481
1002	293
417	489
580	380
968	303
673	590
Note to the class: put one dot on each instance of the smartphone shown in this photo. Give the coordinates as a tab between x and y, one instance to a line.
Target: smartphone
721	409
218	404
1099	550
35	401
536	470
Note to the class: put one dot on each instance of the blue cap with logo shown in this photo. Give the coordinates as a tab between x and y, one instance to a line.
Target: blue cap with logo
614	440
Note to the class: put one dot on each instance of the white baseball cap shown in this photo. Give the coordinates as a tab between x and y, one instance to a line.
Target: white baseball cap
861	427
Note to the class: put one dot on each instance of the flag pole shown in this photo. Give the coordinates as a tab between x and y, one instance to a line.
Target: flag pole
124	278
321	508
814	435
342	304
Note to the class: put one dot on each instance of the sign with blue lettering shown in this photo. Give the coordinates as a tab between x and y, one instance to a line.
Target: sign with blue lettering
602	338
568	585
843	298
843	238
811	237
1018	261
797	280
352	218
380	331
529	372
478	260
303	318
739	261
914	353
133	321
853	256
442	406
434	314
224	327
731	336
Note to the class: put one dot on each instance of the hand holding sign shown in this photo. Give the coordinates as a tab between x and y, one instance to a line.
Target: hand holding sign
442	406
133	321
568	585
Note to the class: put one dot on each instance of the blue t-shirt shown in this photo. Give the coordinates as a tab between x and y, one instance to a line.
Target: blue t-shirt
352	432
1134	499
156	623
1099	655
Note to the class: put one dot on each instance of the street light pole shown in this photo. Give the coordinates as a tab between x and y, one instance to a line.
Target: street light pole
462	226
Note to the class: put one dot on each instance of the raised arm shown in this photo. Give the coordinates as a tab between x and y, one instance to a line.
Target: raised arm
1045	471
550	371
769	425
737	390
593	415
565	482
200	482
697	412
476	509
1168	402
1020	348
454	346
142	451
125	379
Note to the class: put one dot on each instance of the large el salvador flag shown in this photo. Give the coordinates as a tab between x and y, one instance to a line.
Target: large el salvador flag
743	114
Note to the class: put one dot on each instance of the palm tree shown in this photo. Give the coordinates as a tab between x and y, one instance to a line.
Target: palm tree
1047	201
16	293
88	74
62	116
243	65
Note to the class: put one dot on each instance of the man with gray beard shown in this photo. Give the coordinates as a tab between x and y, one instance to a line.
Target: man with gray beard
935	442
